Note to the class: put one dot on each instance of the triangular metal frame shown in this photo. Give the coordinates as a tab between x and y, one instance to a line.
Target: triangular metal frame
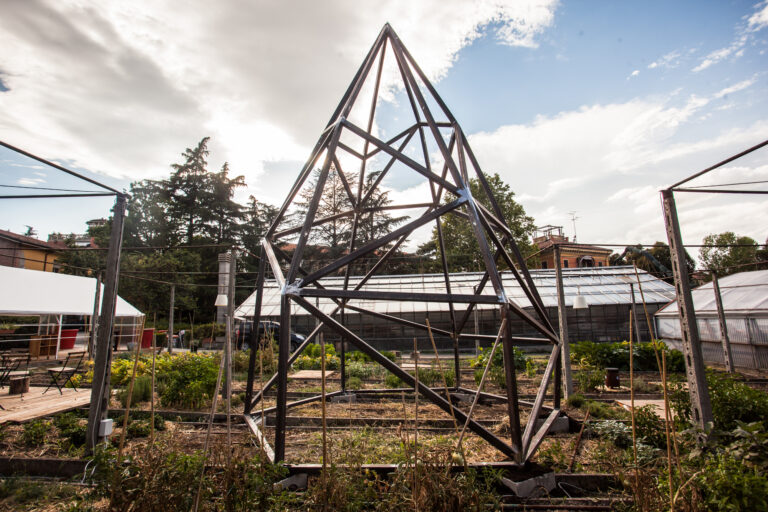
494	237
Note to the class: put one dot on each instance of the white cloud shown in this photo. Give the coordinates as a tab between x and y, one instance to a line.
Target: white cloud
123	87
633	74
608	163
759	19
669	60
756	22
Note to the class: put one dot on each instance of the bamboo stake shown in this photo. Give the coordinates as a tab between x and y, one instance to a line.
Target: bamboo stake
632	399
261	384
322	407
208	434
228	352
152	391
482	380
415	422
666	423
128	401
651	332
578	442
445	382
447	396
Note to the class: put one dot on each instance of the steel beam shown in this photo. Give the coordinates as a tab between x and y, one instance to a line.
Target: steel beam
694	359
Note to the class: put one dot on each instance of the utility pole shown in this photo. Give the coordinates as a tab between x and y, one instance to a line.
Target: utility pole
103	348
701	406
95	316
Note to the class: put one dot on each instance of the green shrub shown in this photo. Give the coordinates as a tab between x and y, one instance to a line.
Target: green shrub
241	359
356	355
138	428
575	400
186	379
142	391
392	381
432	377
616	355
34	432
732	400
71	428
588	377
308	362
498	358
727	484
620	434
354	383
361	370
649	426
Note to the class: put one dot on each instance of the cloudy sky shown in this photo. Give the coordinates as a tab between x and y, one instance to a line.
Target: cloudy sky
581	106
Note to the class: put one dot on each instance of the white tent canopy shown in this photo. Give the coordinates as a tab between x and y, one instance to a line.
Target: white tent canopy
32	292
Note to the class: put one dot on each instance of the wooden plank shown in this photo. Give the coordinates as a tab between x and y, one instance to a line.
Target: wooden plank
261	439
36	405
312	374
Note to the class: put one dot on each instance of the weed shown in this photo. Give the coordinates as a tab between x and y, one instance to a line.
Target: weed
354	383
620	434
575	400
34	432
392	381
142	391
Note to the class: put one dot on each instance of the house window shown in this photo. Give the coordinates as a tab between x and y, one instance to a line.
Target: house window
543	264
599	263
565	263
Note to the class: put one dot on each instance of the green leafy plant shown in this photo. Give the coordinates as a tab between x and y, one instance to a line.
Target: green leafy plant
620	434
603	355
354	383
649	427
142	391
34	433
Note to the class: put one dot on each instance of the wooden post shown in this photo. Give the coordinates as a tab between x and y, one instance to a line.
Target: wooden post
103	349
562	315
724	338
701	406
634	313
95	316
170	319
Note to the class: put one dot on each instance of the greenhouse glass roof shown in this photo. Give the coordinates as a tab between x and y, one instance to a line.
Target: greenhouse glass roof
745	292
599	285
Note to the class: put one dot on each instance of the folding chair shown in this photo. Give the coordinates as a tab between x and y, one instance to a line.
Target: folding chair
71	366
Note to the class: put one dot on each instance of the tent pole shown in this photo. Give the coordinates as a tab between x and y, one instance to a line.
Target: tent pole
58	338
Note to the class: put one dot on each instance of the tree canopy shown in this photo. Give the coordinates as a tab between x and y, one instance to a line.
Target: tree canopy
462	249
728	253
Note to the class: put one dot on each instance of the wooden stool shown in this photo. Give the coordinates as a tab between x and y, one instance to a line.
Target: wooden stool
19	385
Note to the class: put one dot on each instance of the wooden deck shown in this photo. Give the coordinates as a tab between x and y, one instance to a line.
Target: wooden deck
35	404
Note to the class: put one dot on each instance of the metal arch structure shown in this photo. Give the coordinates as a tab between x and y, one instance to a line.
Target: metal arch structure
433	128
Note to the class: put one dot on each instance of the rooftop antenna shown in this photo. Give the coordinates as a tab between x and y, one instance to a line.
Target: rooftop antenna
573	220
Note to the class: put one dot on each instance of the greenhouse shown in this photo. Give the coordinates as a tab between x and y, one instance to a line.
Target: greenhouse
607	291
745	304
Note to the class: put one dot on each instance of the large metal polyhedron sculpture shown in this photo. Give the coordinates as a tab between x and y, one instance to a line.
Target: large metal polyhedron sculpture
443	159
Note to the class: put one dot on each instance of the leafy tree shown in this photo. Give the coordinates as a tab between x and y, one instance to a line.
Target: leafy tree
335	200
717	255
189	190
148	222
222	221
462	249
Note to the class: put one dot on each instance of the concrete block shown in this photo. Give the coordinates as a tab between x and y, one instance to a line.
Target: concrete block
559	426
533	487
297	482
347	398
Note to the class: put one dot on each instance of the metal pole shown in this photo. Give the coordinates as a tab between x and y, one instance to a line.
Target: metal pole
230	319
282	375
95	316
254	341
170	319
724	338
694	359
562	315
103	349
